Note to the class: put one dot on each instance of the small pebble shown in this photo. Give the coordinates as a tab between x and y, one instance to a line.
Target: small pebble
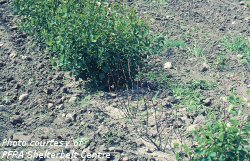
23	97
168	65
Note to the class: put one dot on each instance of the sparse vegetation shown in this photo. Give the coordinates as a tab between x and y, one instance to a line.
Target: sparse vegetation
189	97
221	61
240	45
197	51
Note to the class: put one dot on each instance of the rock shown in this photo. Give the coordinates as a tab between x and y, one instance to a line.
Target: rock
192	127
113	95
12	28
242	3
26	57
50	105
200	120
70	117
158	60
204	67
13	55
23	97
115	149
1	45
168	65
240	56
73	99
246	19
21	136
207	102
125	159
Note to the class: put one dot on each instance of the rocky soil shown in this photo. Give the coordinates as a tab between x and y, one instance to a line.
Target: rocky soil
38	102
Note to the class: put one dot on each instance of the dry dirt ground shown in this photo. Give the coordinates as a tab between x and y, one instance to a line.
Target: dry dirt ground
40	103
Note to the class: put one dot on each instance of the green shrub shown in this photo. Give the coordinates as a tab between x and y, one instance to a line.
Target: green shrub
223	139
99	40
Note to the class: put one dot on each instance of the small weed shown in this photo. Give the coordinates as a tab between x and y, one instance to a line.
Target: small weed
162	44
175	44
159	78
221	61
189	97
238	44
202	84
186	36
197	51
113	137
85	101
6	99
